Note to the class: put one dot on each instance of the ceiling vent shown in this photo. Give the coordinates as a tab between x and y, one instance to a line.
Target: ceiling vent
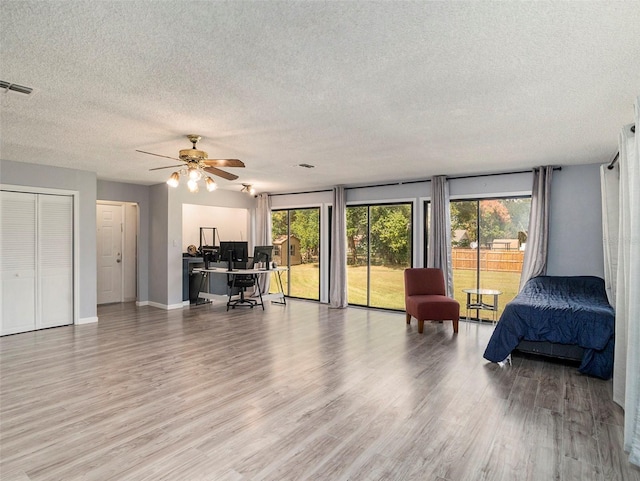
21	89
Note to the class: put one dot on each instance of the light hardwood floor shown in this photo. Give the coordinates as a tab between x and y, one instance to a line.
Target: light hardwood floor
293	393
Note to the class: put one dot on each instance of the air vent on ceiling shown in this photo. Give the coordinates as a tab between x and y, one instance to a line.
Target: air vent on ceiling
306	166
21	89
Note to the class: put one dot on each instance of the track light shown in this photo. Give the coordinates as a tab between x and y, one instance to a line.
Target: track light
248	188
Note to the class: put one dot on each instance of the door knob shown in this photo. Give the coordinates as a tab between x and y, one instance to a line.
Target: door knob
118	261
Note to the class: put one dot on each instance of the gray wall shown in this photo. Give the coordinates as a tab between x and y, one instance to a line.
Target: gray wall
575	224
158	244
139	194
32	175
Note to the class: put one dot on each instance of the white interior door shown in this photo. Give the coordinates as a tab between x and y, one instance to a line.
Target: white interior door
109	241
18	262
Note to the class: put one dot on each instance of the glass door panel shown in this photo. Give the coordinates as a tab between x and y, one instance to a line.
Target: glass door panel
488	239
503	226
279	232
296	245
464	249
378	251
357	255
304	251
390	254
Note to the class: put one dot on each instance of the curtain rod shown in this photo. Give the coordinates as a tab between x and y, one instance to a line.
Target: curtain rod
406	182
617	156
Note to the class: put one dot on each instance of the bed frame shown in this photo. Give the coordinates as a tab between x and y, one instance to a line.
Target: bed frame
570	352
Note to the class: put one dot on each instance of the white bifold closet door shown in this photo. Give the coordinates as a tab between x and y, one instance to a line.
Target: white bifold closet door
36	252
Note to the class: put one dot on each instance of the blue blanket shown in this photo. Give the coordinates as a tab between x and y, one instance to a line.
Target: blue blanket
566	310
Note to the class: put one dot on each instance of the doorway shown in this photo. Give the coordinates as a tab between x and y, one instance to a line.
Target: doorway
116	241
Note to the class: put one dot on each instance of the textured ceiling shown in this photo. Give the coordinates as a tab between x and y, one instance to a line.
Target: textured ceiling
367	92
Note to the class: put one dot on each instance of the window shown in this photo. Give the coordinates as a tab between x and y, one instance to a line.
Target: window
488	238
296	240
378	251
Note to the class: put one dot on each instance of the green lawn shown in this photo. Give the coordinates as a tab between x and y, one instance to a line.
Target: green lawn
387	286
305	281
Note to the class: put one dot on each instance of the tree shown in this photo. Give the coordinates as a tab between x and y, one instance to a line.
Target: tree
357	241
305	225
499	218
464	216
391	233
279	219
301	223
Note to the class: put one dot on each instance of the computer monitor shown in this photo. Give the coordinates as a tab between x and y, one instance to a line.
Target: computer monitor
263	254
234	251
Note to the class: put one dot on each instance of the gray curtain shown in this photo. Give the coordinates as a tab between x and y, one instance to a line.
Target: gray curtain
338	255
263	233
535	254
439	251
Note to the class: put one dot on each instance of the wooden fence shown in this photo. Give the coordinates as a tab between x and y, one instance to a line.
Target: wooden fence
490	260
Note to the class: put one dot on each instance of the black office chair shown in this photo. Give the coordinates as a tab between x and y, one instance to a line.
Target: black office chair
242	282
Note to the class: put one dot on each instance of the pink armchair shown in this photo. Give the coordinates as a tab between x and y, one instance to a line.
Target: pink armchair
426	299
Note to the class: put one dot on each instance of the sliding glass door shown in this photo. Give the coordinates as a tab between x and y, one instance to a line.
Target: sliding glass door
296	240
487	249
378	251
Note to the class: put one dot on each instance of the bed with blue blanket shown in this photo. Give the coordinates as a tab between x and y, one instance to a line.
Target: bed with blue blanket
565	313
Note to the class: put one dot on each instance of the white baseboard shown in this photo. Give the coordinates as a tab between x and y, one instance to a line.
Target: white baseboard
142	303
166	307
87	320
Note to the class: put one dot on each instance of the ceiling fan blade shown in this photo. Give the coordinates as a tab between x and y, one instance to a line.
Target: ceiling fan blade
221	173
167	167
223	162
157	155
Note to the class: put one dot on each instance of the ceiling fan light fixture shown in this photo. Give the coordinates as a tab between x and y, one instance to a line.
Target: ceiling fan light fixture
196	167
193	185
174	180
211	184
194	173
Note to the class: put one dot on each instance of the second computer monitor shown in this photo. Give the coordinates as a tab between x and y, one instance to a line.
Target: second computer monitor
235	251
263	254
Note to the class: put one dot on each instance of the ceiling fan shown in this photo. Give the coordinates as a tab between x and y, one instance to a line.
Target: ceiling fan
197	160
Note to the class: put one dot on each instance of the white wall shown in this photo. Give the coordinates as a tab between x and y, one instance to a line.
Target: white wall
32	175
231	224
